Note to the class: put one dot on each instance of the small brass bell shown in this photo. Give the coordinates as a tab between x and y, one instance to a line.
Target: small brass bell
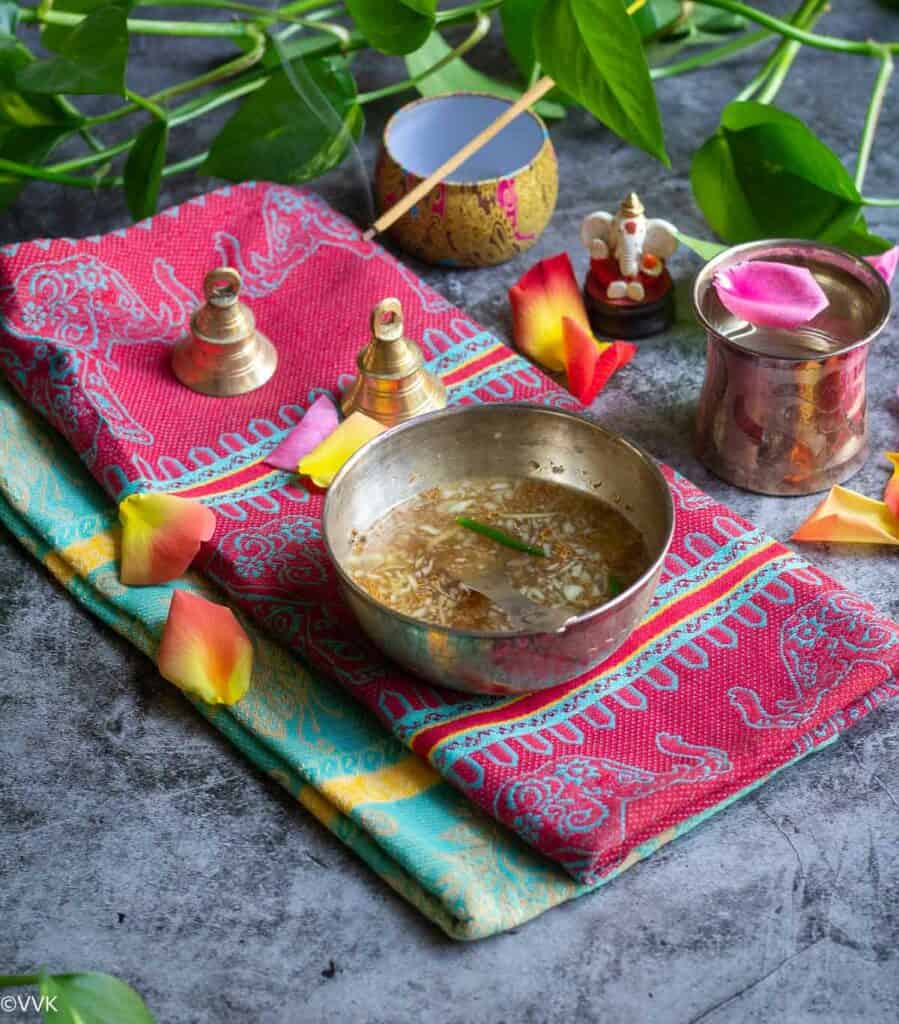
393	384
224	354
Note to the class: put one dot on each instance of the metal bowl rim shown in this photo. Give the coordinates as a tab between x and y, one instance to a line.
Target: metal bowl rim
488	409
708	272
477	182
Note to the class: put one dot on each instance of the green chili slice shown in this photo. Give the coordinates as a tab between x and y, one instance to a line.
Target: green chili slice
615	585
500	536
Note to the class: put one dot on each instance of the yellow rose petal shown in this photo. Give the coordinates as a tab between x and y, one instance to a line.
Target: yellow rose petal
323	463
848	517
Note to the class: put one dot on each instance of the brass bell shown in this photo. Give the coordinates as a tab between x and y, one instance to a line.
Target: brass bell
393	384
224	354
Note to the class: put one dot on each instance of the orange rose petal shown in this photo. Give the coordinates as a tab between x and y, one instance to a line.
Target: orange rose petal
612	356
891	494
324	461
590	363
541	299
850	518
204	650
161	535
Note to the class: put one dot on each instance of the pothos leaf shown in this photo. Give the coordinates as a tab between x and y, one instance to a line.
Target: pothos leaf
276	136
92	998
394	26
30	124
24	146
765	174
656	16
143	169
458	76
593	51
91	57
859	240
9	17
54	36
518	17
707	250
29	110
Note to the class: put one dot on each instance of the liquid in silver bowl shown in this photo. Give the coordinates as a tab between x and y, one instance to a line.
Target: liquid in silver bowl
784	411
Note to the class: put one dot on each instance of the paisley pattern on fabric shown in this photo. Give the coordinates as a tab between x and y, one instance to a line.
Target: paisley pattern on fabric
87	333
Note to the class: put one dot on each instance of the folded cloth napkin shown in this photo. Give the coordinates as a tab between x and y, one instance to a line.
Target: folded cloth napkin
748	659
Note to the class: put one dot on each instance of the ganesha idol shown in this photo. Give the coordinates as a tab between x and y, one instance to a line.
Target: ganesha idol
628	291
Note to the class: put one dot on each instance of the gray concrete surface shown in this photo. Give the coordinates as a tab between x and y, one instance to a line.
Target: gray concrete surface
134	840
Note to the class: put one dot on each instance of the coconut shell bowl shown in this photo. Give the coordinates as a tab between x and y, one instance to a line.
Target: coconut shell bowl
494	206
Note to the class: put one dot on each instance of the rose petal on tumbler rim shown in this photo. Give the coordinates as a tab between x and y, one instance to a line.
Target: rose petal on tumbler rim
770	294
885	263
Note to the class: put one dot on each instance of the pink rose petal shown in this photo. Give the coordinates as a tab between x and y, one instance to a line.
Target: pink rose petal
320	420
886	263
770	294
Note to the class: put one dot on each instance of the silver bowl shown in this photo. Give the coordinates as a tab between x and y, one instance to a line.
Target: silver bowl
514	439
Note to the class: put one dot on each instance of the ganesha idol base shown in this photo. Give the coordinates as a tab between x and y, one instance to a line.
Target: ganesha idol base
625	319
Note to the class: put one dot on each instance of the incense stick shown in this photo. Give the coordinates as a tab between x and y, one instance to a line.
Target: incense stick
523	103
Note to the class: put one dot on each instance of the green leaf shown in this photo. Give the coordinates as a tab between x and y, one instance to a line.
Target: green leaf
593	51
54	36
29	110
518	18
459	76
765	174
92	998
92	57
656	16
707	250
394	26
859	240
708	19
24	146
143	169
9	17
276	136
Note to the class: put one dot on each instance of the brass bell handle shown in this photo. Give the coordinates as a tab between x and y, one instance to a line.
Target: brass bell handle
222	286
387	320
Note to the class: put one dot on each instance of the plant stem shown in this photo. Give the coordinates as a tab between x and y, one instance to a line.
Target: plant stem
805	18
872	116
465	13
784	28
49	174
233	67
146	104
875	201
713	56
778	63
481	28
301	6
203	105
141	26
266	14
